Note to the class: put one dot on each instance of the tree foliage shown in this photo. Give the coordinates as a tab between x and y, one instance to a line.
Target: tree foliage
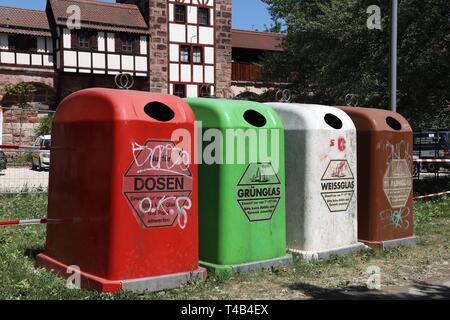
22	92
331	52
45	126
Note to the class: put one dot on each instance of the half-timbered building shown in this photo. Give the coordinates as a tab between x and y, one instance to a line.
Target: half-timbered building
182	47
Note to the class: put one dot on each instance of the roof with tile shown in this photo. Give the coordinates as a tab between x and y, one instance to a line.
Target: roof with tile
101	15
24	21
247	39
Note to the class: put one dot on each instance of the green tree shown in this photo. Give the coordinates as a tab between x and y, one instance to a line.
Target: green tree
330	52
45	126
22	92
276	26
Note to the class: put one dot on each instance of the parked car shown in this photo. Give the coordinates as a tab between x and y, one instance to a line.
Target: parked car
432	144
3	161
41	158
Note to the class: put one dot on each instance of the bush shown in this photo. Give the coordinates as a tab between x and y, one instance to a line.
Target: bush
45	126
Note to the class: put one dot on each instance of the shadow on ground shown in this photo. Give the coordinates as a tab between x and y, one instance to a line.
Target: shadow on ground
33	252
417	290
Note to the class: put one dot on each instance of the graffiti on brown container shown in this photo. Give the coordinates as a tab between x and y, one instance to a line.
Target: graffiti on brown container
397	180
398	219
401	150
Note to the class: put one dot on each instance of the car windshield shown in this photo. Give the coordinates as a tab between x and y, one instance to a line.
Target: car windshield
46	143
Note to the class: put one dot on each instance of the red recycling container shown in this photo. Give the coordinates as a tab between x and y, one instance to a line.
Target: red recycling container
123	191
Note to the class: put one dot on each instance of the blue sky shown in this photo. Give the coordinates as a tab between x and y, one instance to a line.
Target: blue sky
247	14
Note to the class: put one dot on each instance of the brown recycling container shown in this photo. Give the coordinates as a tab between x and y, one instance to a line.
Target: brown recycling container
385	183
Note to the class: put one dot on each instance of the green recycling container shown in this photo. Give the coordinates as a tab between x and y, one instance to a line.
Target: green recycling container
242	221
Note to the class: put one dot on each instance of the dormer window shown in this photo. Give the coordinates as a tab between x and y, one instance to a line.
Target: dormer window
180	13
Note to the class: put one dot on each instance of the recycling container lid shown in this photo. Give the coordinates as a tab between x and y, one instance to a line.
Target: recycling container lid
223	113
371	119
101	104
298	116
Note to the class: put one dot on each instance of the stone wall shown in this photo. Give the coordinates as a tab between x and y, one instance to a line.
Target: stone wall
223	46
159	50
19	126
15	76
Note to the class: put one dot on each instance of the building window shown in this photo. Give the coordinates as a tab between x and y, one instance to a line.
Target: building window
205	91
179	90
185	54
84	40
180	13
197	55
127	45
203	16
22	42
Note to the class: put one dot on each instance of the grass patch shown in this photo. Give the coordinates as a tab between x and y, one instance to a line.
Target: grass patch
20	279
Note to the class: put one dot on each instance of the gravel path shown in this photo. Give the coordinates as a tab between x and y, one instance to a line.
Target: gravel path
13	180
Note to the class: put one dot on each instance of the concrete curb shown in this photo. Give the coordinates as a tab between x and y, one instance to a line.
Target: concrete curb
165	282
247	267
325	254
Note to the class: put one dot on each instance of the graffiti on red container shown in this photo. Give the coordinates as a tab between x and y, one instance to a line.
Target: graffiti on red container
148	158
182	204
158	184
398	219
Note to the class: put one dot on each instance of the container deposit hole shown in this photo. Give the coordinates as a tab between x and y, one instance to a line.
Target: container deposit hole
255	118
159	111
333	121
393	123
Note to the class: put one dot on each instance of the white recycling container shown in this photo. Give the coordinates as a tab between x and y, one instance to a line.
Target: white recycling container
321	197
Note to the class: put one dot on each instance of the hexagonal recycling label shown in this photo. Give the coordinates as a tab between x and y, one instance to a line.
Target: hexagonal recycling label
397	183
338	185
158	184
258	191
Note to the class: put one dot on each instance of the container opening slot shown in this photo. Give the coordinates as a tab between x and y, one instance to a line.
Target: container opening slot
333	121
255	118
159	111
393	123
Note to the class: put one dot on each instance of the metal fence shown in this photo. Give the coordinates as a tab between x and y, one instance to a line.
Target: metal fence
24	151
24	165
440	169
